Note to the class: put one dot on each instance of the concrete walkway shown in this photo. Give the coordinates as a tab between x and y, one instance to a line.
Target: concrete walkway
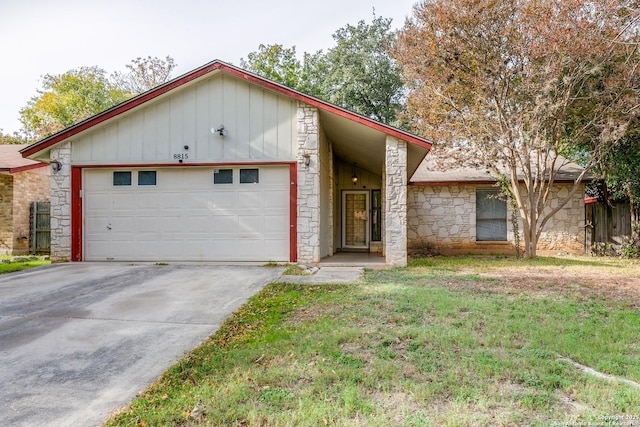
328	275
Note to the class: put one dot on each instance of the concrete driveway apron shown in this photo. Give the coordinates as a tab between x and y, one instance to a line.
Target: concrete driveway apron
79	340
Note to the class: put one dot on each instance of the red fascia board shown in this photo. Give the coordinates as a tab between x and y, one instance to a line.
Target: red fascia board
199	72
180	165
24	168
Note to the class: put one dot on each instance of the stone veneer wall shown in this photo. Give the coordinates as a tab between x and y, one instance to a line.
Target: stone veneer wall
28	186
442	219
395	201
61	204
6	214
308	184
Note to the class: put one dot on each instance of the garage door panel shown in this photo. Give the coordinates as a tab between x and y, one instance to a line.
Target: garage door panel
274	223
250	224
186	216
250	199
223	224
276	198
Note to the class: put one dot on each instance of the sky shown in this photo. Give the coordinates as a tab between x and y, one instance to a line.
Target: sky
39	37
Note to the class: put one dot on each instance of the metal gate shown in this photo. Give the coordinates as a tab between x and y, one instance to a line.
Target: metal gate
40	236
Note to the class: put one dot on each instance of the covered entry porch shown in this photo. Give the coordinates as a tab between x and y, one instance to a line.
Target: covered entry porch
353	176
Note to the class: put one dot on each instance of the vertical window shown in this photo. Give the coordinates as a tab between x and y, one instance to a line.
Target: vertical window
121	178
376	215
223	176
249	176
491	216
147	178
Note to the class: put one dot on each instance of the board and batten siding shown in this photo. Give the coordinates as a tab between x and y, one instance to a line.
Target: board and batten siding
259	126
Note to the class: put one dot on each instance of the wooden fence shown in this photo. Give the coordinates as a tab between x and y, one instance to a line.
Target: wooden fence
40	236
609	223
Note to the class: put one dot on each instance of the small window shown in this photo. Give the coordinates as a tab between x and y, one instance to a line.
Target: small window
223	176
147	178
249	176
121	178
491	216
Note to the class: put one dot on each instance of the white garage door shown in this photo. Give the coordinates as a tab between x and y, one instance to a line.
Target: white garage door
181	214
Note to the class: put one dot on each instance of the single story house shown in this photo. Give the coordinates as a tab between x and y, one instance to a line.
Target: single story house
459	210
221	164
22	181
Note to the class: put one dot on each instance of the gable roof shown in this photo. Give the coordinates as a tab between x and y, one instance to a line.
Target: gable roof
12	162
205	70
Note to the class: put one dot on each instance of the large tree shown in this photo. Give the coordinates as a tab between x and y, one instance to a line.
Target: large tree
15	138
509	85
282	65
362	76
144	74
357	73
66	99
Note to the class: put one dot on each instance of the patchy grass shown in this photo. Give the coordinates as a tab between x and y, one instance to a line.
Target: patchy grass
10	267
445	342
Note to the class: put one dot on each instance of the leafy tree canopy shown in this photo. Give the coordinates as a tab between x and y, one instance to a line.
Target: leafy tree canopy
144	74
357	73
509	85
16	138
68	98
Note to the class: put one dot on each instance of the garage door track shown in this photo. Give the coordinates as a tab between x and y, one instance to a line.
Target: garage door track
78	341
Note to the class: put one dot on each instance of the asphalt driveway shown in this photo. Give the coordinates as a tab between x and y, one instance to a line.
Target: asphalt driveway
80	340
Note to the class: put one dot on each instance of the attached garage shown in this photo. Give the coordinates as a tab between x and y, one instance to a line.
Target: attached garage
223	165
187	214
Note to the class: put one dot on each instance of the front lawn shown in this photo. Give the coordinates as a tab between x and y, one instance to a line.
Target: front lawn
445	342
8	266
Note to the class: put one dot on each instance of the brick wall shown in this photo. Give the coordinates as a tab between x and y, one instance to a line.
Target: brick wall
17	192
28	186
6	214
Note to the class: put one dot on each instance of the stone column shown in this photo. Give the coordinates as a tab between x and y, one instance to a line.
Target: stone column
61	204
308	184
395	215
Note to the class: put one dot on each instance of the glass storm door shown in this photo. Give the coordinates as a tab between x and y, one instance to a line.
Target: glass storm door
355	219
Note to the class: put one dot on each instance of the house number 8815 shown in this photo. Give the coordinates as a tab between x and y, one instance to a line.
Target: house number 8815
181	156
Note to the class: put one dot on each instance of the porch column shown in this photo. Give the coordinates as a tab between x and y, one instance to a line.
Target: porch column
395	213
61	204
308	184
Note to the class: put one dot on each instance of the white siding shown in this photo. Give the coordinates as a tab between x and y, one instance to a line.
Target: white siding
259	125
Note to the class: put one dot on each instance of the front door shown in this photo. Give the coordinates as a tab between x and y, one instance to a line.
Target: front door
355	220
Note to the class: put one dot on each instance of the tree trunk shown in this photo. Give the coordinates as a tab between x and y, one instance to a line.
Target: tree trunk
635	220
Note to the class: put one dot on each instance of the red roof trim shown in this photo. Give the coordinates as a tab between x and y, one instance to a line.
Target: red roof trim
24	168
202	71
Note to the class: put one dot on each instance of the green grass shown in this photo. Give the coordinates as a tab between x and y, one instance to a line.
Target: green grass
11	267
440	343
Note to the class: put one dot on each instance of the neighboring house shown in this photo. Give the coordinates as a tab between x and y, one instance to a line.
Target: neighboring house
221	164
22	182
459	210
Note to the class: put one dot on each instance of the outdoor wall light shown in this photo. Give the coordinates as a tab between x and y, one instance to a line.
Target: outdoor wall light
220	130
354	177
56	166
307	159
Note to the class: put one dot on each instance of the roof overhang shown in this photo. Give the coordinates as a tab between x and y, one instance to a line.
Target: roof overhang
355	137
